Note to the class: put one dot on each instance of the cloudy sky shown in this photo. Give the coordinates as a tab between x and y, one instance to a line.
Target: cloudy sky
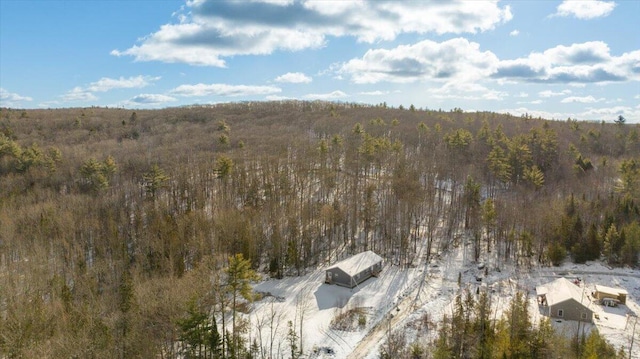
555	59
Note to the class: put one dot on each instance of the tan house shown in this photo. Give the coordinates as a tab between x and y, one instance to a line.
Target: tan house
616	295
565	300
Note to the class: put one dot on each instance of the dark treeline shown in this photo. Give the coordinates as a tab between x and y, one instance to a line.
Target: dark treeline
115	225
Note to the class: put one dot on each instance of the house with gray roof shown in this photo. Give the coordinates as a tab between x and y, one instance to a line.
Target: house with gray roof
564	299
354	270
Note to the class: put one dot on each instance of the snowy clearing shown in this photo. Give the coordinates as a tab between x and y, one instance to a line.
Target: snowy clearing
401	297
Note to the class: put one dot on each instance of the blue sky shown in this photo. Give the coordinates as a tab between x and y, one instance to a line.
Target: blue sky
555	59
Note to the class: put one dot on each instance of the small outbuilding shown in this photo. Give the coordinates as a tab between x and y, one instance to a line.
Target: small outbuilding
565	300
614	295
354	270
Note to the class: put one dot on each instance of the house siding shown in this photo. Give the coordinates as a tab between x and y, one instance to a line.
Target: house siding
572	310
339	277
602	295
366	274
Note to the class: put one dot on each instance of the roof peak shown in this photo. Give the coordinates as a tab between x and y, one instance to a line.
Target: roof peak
357	262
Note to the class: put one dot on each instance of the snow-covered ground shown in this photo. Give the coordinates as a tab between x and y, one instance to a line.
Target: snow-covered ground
321	302
401	297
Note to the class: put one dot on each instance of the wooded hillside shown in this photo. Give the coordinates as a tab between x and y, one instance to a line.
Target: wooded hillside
114	222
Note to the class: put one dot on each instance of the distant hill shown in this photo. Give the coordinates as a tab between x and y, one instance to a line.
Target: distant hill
110	215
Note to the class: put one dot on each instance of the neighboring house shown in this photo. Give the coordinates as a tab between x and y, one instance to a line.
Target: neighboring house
354	270
565	300
618	296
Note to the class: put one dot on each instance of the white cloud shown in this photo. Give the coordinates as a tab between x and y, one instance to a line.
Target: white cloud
455	60
78	94
278	98
86	93
374	93
589	62
204	44
458	60
146	100
152	99
199	90
592	114
514	33
11	99
608	111
574	54
637	97
326	96
585	9
584	99
212	30
549	93
489	96
523	95
107	84
49	104
534	113
294	78
534	102
467	91
611	113
494	95
10	96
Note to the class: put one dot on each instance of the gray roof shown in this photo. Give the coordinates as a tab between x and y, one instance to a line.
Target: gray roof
357	263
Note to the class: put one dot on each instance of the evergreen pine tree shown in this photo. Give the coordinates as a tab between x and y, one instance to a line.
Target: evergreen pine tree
542	345
292	338
597	347
611	238
193	330
482	327
592	243
214	341
238	285
519	326
457	327
442	348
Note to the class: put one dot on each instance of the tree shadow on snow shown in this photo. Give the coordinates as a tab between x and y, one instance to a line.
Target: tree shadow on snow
620	310
334	296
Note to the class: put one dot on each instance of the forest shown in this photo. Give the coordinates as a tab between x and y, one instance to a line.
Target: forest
136	234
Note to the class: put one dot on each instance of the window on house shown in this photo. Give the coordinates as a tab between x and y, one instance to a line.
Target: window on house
583	316
560	313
